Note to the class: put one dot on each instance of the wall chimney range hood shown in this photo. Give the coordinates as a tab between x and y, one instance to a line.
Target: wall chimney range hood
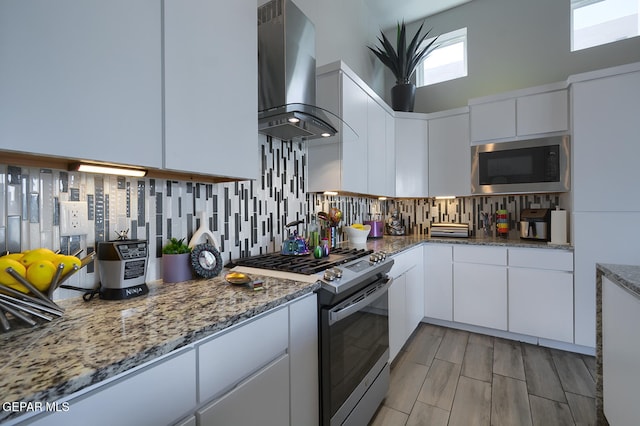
287	75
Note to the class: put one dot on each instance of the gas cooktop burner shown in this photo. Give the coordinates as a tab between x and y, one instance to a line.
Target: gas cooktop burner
306	265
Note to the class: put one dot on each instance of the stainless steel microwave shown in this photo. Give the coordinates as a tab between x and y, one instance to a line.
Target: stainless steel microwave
523	166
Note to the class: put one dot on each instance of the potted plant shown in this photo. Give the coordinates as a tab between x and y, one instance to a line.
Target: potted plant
176	261
402	60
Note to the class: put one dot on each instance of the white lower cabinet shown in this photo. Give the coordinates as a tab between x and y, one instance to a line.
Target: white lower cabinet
189	421
397	314
541	293
226	360
480	286
303	362
145	397
520	290
541	303
263	371
259	400
406	294
415	295
480	295
438	289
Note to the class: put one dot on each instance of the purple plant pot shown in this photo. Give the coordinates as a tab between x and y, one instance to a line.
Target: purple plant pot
176	268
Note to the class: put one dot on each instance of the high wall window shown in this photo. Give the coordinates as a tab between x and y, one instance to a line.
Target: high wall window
447	62
596	22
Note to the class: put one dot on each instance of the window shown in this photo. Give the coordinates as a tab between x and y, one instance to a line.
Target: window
596	22
447	61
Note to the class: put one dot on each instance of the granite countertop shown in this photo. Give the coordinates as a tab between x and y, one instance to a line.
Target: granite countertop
626	276
99	339
394	244
96	340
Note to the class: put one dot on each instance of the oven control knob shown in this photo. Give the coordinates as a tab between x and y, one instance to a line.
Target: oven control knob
329	275
375	257
337	272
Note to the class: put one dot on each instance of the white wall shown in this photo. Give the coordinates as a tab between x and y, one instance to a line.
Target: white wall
514	44
344	29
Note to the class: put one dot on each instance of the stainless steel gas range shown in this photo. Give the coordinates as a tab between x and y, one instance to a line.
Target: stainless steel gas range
353	326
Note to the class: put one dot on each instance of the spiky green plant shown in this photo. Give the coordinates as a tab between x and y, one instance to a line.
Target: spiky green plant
403	59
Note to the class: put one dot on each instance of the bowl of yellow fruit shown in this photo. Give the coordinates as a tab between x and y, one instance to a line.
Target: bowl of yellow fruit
357	233
28	280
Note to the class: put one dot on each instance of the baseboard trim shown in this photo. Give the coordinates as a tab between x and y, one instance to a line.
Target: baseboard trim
554	344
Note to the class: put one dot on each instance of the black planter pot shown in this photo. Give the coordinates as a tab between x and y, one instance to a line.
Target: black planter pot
403	97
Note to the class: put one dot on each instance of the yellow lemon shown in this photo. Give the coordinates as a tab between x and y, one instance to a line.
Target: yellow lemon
37	254
357	226
40	273
14	256
6	278
68	261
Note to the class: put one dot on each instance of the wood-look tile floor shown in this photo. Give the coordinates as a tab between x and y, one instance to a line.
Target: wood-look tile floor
451	377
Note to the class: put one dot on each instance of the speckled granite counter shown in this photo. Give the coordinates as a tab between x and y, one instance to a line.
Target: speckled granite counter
99	339
628	278
394	244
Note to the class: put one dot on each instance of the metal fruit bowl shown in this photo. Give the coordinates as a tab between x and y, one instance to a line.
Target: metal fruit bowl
36	305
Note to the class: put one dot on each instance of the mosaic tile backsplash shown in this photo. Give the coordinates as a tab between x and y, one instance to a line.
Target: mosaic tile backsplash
247	217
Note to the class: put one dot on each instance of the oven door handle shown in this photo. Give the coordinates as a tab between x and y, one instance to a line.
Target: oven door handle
339	312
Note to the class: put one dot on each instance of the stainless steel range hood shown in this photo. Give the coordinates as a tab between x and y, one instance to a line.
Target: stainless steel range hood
287	75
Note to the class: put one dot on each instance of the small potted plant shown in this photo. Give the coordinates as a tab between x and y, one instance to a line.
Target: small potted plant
176	261
402	60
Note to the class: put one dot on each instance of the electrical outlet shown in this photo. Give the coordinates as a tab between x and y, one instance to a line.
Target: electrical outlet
74	218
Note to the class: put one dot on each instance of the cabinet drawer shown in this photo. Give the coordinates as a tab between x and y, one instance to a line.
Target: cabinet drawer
557	260
406	260
262	399
129	400
233	356
484	255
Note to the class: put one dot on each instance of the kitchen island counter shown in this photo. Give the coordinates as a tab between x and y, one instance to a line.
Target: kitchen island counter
622	314
97	340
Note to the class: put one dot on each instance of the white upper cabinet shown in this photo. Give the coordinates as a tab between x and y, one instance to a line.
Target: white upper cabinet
412	177
520	114
354	150
356	160
340	163
211	88
605	143
377	148
82	79
543	113
449	155
390	156
493	120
